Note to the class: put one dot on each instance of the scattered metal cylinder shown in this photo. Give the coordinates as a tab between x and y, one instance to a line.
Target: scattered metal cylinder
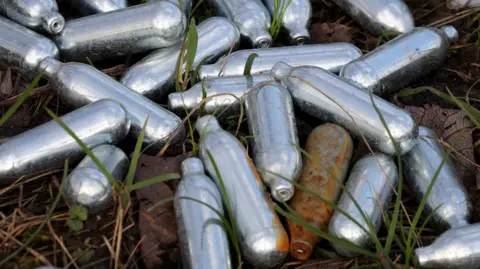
330	147
46	147
154	76
41	15
331	57
456	4
448	196
295	19
88	186
22	50
80	84
263	240
271	122
184	5
380	17
203	241
457	248
371	183
119	33
413	55
250	16
89	7
330	98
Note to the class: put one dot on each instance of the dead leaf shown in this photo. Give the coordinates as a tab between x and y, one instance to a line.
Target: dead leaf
6	87
330	33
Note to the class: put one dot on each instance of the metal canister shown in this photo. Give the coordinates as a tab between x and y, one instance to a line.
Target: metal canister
456	4
331	57
263	240
80	84
371	183
154	76
119	32
332	99
271	121
184	5
46	147
457	248
88	186
448	197
250	16
22	49
414	54
230	90
89	7
203	240
330	147
295	19
41	15
380	17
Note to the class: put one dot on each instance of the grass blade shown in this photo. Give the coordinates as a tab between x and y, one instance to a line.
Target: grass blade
136	155
249	63
154	180
192	43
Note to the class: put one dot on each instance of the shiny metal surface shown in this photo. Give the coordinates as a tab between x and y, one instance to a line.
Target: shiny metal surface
46	146
263	240
397	63
455	249
331	57
131	30
271	122
332	99
227	104
121	3
88	186
463	3
185	5
448	197
250	16
202	239
39	15
379	16
154	76
295	20
80	84
371	183
89	7
22	50
330	147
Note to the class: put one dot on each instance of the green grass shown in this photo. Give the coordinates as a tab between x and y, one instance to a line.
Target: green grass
279	8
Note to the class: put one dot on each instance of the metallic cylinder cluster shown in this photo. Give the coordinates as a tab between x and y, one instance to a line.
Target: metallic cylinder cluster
89	7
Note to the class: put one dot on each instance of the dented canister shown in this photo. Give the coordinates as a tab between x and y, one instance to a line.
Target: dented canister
380	17
330	149
86	185
397	63
231	92
332	99
40	15
271	121
202	238
154	76
89	7
448	198
371	183
119	33
80	84
22	49
263	240
331	57
46	146
185	5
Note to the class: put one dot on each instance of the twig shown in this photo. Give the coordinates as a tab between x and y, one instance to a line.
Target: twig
59	241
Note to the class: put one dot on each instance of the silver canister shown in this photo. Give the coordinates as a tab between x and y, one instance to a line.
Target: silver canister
80	84
88	186
131	30
332	99
154	76
331	57
202	238
397	63
46	147
457	248
250	16
230	90
379	16
40	15
456	4
22	49
371	183
448	196
263	239
89	7
295	19
185	5
271	122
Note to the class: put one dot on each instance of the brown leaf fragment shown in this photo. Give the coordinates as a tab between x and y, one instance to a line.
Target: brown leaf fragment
330	33
6	85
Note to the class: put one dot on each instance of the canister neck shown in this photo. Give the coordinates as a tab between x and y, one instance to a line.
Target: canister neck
49	66
451	33
53	22
206	124
192	166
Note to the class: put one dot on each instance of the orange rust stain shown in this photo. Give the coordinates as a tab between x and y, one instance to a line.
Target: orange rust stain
282	242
